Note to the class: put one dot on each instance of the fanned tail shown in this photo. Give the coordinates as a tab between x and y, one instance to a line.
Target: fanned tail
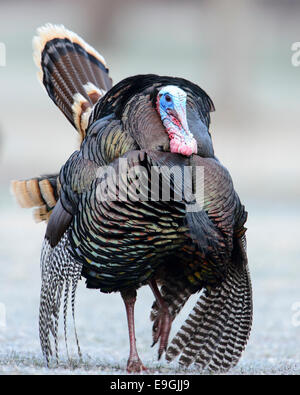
40	192
217	330
74	74
60	275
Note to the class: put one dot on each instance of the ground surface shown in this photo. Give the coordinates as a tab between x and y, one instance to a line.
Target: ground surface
101	323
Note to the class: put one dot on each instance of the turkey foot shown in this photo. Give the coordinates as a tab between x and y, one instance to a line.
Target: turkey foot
162	324
161	329
134	364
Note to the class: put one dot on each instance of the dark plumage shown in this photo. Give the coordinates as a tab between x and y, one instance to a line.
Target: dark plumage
159	125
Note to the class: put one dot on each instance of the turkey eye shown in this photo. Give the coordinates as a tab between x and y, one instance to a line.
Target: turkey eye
168	99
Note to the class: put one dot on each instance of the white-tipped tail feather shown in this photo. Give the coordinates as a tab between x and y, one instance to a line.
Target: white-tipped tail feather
40	192
74	74
50	32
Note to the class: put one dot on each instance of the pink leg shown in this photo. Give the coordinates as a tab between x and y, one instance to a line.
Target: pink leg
134	364
162	325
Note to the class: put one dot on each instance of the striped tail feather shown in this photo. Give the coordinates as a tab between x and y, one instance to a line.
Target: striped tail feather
40	192
60	276
217	330
74	74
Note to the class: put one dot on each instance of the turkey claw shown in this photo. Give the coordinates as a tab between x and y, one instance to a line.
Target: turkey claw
135	366
161	330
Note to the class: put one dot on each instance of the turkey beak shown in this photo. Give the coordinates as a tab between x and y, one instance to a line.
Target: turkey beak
189	145
179	113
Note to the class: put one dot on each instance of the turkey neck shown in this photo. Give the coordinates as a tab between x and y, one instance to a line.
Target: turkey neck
144	124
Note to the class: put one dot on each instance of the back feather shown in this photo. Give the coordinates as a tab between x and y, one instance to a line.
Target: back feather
74	74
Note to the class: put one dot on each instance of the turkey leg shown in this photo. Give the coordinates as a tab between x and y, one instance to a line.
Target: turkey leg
134	364
163	323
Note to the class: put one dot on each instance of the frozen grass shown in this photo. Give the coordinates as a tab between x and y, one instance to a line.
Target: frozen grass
101	322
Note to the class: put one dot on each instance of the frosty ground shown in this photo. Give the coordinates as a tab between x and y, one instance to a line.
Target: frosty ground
273	248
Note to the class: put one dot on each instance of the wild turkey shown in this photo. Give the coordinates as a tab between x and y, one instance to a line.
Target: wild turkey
159	127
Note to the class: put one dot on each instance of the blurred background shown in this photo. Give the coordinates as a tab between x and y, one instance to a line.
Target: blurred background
239	52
